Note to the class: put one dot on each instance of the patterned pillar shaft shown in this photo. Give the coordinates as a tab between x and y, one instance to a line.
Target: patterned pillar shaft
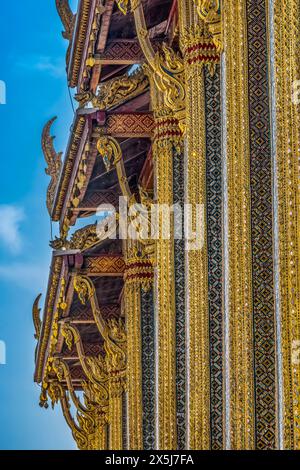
198	50
98	441
261	226
134	355
180	296
140	349
115	414
166	139
215	252
102	439
148	367
237	167
286	26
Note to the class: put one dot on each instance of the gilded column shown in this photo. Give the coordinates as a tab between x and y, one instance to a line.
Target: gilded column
98	439
286	26
237	167
116	390
197	51
138	285
134	355
167	90
167	138
102	432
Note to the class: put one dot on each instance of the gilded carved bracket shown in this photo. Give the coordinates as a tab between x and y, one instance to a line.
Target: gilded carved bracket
115	92
112	330
94	367
166	65
89	415
110	151
87	237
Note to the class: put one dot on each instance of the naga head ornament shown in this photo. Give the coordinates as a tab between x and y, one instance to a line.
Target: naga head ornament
110	151
67	18
53	160
36	311
84	288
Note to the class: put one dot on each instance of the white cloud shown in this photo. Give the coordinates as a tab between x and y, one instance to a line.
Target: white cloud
55	67
11	218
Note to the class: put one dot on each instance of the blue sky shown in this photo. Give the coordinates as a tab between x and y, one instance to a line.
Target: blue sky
33	68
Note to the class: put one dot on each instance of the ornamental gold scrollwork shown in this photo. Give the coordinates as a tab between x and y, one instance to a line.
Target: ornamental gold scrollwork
76	194
86	237
115	347
116	91
95	394
56	393
89	416
112	331
94	367
209	12
53	160
167	67
85	289
170	68
110	151
123	6
139	269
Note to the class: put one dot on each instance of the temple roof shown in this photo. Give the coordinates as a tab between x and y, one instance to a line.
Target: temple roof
122	111
89	255
97	36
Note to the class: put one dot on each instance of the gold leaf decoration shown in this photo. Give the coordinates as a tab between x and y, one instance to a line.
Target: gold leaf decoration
67	18
53	160
36	311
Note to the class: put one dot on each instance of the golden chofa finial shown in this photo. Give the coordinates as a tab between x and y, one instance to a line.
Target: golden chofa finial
67	17
53	160
36	311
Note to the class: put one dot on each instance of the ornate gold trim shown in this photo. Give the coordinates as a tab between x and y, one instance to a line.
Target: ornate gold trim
78	41
166	65
112	330
49	309
115	345
67	169
138	275
164	145
76	191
